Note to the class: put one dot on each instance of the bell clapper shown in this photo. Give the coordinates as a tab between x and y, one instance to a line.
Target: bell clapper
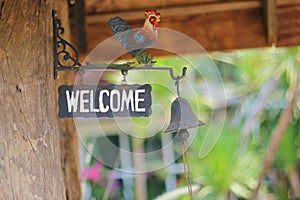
183	135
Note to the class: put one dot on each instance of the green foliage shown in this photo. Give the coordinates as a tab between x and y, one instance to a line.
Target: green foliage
287	156
244	74
228	167
225	168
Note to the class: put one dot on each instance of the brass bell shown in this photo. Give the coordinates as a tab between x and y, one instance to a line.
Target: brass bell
182	116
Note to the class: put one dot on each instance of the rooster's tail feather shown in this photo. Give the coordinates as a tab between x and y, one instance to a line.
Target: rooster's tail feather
120	29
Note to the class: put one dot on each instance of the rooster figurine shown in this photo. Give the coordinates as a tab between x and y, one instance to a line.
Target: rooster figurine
137	41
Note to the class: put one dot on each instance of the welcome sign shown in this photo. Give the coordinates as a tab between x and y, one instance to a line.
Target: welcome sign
90	101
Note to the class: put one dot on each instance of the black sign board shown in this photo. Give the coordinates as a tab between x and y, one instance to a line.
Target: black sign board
96	101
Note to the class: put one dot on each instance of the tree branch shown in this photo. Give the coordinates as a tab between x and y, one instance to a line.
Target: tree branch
294	180
275	140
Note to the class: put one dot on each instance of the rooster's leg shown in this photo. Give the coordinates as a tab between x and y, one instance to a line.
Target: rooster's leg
136	63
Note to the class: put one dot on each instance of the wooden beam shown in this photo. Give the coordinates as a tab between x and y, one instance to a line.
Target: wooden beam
110	6
288	2
178	11
214	31
288	25
270	14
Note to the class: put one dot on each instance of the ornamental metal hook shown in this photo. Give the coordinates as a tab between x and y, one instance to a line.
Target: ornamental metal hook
178	78
63	59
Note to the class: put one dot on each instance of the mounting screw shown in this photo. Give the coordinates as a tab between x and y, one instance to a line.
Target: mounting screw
72	2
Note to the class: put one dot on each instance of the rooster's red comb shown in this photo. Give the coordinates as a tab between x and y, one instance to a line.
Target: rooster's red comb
149	11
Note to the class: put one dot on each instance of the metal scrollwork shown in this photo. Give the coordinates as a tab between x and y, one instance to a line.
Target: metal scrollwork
63	59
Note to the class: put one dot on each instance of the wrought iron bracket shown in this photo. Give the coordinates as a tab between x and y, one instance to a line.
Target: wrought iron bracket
63	51
66	57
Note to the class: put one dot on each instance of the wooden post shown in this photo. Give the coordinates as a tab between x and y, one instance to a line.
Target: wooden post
80	25
30	166
270	14
139	165
69	143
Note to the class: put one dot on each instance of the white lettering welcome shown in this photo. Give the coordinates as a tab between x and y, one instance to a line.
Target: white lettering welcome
119	101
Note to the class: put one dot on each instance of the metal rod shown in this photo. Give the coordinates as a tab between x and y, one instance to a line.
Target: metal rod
177	87
55	58
125	68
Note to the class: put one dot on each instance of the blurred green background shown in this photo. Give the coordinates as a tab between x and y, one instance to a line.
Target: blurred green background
250	146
